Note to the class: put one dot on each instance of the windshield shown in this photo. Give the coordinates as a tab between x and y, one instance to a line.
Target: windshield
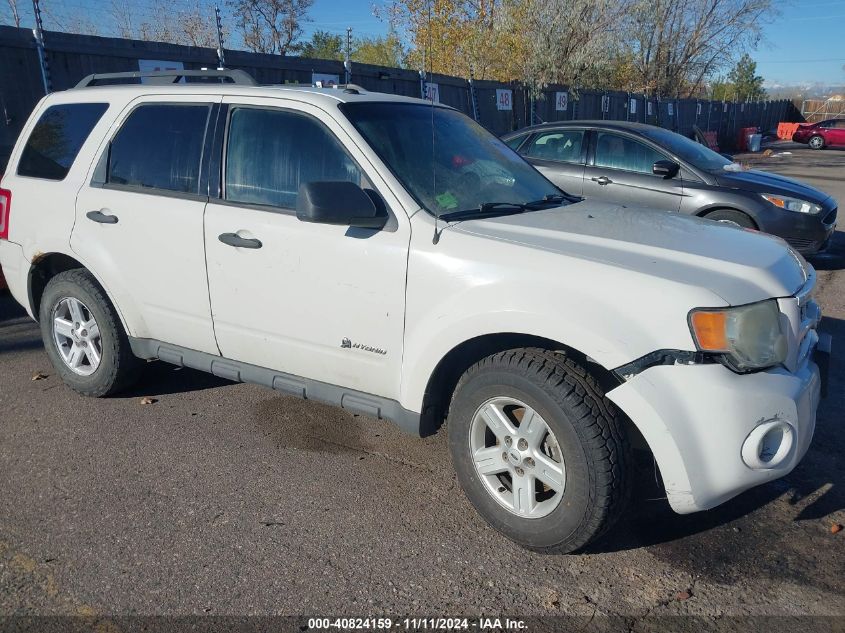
696	154
467	167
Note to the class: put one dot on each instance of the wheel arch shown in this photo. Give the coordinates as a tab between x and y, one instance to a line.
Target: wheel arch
704	211
45	266
451	366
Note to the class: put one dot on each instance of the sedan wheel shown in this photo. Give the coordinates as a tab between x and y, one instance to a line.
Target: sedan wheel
817	142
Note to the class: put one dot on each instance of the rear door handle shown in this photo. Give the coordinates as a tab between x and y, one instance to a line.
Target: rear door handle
102	218
602	180
233	239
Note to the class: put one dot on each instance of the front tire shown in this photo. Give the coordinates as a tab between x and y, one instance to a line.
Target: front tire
734	218
83	336
539	450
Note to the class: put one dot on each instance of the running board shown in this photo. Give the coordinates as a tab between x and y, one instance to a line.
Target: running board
305	388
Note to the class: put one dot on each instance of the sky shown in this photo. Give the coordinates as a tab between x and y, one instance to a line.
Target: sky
803	45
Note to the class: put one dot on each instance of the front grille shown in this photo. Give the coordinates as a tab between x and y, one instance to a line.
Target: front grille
830	218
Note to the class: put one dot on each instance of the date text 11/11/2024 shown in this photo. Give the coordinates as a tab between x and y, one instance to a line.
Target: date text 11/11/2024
417	624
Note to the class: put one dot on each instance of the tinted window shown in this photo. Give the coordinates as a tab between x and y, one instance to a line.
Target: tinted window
57	138
620	152
515	142
445	159
561	145
160	147
839	124
696	154
270	153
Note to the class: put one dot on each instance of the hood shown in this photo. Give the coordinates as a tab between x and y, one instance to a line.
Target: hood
739	265
764	182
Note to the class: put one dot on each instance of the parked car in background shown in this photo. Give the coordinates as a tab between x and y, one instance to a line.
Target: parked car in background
821	135
640	165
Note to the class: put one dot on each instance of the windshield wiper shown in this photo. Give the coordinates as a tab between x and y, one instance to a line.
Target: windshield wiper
551	199
485	210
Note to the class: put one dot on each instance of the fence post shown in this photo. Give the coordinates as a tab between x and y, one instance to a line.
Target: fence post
38	32
221	60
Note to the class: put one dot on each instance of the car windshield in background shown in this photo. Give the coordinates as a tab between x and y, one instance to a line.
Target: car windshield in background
696	154
448	162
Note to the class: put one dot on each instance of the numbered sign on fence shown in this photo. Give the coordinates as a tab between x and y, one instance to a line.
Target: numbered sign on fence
155	65
724	107
504	99
698	108
432	92
605	103
633	106
670	108
742	107
561	101
648	108
326	80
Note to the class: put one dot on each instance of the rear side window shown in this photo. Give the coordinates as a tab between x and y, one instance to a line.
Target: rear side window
560	145
57	138
160	147
270	153
621	152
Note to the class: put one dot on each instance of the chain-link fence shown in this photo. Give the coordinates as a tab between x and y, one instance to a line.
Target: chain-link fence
501	107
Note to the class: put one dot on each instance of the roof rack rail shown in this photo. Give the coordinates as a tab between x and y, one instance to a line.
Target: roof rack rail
165	77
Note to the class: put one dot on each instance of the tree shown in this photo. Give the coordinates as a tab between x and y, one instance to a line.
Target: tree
677	44
271	26
323	45
747	84
191	26
379	51
454	37
560	41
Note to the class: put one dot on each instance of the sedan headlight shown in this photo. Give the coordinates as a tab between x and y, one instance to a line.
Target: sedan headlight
747	337
792	204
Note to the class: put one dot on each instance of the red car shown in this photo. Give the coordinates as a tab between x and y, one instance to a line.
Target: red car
821	135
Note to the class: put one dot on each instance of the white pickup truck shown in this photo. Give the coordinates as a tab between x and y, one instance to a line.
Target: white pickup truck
392	257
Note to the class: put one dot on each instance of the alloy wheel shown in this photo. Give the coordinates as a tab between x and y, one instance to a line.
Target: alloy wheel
517	457
77	336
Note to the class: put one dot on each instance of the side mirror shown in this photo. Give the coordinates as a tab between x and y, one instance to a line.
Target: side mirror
338	202
665	168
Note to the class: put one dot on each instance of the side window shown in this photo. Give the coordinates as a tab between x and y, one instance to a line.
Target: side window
270	153
57	138
561	145
159	147
839	124
515	142
620	152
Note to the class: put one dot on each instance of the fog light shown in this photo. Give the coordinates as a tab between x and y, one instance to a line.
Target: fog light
769	445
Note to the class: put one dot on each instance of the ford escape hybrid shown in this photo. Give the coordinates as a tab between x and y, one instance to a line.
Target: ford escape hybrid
391	257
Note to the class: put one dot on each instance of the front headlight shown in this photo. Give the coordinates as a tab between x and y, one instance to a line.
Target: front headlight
791	204
748	337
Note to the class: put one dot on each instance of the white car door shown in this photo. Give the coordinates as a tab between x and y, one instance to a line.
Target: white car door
139	220
318	301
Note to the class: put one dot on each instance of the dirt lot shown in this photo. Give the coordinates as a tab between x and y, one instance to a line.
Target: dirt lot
224	498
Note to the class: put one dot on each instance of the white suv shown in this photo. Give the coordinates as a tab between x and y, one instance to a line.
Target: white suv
392	257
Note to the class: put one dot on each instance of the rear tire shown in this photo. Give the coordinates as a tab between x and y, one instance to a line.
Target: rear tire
816	142
83	336
555	498
729	216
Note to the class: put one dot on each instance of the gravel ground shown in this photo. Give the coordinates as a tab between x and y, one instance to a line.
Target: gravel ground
227	499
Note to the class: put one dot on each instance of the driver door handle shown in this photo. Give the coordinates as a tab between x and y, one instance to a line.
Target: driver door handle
233	239
102	218
602	180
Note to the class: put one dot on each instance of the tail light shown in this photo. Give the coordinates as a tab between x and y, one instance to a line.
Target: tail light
5	207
